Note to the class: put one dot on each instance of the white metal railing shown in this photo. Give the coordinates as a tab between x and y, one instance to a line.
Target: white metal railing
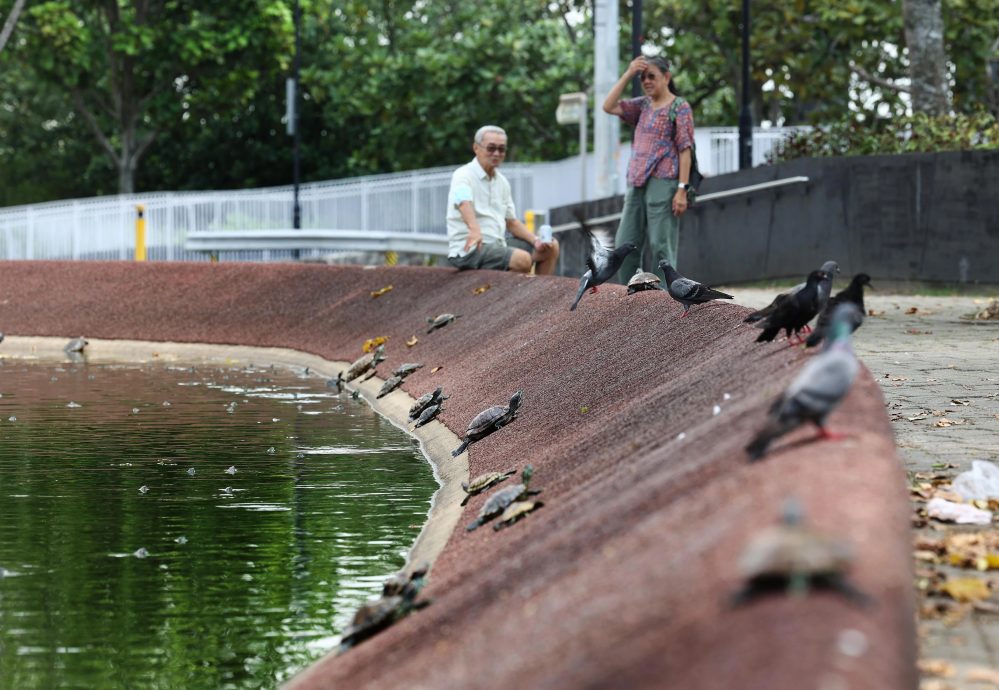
415	202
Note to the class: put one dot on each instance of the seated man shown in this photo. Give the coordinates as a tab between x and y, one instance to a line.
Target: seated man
480	210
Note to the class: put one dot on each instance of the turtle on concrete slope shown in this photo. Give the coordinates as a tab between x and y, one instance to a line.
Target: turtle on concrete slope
515	511
395	603
76	344
791	558
488	421
391	383
404	370
428	415
498	501
361	365
425	401
483	482
643	280
440	321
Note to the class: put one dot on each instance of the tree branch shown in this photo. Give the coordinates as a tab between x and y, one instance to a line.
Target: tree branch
867	76
92	121
8	26
143	145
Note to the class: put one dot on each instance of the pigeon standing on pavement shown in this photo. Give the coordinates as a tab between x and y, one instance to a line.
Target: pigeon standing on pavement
825	288
817	390
793	312
602	264
686	291
852	294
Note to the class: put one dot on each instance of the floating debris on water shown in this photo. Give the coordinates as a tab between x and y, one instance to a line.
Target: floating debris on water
73	404
141	552
231	470
190	471
143	489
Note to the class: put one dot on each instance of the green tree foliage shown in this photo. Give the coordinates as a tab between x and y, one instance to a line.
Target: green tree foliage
129	67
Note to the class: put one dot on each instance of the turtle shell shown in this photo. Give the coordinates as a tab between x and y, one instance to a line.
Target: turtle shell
499	500
484	481
424	401
440	321
486	419
786	550
76	344
371	618
427	415
405	370
390	385
515	511
643	280
360	365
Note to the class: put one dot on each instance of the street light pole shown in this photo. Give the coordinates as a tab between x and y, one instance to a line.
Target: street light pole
636	42
296	219
745	116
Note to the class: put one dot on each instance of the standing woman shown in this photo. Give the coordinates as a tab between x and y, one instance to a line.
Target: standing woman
659	170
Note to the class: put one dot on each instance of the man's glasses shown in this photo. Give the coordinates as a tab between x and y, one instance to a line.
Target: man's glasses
648	76
496	148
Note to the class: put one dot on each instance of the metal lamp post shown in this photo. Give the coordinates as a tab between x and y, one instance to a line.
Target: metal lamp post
572	110
746	115
293	129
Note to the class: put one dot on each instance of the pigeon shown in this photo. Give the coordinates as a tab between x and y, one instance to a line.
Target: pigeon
1	337
825	287
602	263
817	390
793	312
76	344
686	291
853	294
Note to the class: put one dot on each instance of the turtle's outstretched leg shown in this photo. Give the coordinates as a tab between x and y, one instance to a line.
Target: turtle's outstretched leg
460	449
474	525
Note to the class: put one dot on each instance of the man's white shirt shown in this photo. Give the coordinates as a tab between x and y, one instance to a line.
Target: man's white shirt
492	201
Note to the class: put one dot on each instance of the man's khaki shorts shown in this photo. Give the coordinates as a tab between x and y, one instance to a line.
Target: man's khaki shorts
494	256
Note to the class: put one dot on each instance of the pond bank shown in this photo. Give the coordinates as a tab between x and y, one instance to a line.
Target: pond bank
621	579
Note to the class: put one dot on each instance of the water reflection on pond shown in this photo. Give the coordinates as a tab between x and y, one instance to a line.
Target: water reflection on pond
177	527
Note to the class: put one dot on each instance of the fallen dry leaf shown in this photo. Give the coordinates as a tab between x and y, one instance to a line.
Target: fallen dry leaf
912	310
966	589
955	401
435	370
482	288
936	667
584	409
899	378
382	291
871	312
917	417
948	422
371	343
413	340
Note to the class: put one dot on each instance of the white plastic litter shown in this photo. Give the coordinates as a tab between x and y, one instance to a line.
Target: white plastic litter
981	482
961	513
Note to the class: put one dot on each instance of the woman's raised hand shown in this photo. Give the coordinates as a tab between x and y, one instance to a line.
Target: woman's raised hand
637	66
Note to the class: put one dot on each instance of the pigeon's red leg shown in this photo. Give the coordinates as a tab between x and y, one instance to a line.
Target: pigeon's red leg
827	435
593	290
807	329
685	312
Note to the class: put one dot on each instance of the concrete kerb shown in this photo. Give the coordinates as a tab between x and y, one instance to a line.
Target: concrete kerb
436	440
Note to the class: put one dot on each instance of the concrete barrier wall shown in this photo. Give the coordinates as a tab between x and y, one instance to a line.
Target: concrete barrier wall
622	579
923	216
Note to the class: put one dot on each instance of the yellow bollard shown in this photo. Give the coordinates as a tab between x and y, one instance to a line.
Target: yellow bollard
140	232
391	258
529	219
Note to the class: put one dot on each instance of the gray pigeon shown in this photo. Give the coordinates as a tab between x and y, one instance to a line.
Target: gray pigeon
1	337
818	389
853	294
602	263
825	288
686	291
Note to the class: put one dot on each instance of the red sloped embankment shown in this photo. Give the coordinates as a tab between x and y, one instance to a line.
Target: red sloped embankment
621	580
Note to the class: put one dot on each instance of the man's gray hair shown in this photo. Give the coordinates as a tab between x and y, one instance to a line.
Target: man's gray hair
486	129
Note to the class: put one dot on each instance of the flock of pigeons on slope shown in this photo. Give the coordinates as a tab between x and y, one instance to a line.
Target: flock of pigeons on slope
789	556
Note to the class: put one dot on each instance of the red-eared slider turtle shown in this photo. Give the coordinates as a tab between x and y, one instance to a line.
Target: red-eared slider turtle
396	602
440	321
425	401
515	511
428	415
404	370
76	344
643	280
390	385
498	501
488	421
362	365
483	482
790	558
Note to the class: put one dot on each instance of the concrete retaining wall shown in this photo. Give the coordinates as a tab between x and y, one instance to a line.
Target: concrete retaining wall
621	580
921	216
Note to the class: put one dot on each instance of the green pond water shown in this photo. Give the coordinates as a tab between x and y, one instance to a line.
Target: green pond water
186	528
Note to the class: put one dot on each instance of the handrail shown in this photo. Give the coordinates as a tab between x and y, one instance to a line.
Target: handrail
713	196
337	240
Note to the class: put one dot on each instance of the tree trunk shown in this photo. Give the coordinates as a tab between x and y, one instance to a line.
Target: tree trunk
924	37
8	26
